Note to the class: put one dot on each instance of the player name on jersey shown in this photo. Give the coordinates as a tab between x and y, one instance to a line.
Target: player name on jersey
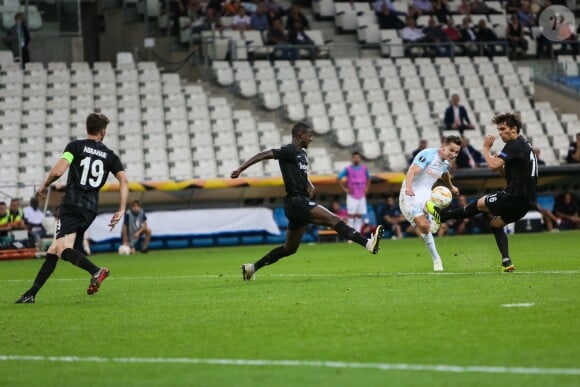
95	152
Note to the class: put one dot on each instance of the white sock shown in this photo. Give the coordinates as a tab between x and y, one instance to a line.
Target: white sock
430	244
351	222
358	224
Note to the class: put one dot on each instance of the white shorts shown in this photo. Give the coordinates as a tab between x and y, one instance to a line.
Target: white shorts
412	206
356	206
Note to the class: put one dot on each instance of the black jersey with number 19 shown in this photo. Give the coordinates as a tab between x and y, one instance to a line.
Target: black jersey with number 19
521	169
91	161
294	167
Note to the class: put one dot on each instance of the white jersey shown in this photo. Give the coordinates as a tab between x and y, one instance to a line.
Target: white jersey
432	168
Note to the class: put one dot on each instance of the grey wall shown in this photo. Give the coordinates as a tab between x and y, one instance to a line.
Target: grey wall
564	102
56	49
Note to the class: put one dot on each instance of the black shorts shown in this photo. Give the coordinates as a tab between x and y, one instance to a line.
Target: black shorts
73	219
510	208
297	210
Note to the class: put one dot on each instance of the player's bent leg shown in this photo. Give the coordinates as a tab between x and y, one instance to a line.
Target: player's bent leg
424	229
497	225
44	273
293	238
321	216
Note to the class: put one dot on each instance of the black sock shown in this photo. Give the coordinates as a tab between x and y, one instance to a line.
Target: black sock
273	256
461	213
349	233
502	244
79	260
45	271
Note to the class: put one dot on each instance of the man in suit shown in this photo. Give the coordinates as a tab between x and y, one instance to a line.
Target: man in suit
468	156
456	116
18	38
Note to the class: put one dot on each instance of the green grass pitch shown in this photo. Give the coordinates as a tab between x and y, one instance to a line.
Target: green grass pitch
331	315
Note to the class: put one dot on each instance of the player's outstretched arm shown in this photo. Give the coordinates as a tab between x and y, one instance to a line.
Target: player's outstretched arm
123	195
413	170
446	177
55	173
495	163
265	155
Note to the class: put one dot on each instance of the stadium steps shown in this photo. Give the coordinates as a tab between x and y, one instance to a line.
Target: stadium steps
337	154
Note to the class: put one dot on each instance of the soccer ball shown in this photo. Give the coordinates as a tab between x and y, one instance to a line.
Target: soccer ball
124	250
441	196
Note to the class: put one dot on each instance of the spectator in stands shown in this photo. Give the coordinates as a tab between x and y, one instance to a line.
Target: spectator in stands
136	231
435	33
296	14
379	4
259	19
481	8
517	43
512	6
537	152
412	12
194	10
5	226
422	145
241	22
460	226
16	215
468	156
468	37
412	34
566	209
525	15
423	6
441	10
464	8
393	219
278	37
355	181
216	6
298	37
456	117
33	217
388	20
274	9
232	8
338	210
178	9
452	33
486	35
18	39
573	155
550	220
209	21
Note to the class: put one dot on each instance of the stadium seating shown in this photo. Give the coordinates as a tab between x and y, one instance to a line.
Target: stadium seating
165	129
161	128
383	106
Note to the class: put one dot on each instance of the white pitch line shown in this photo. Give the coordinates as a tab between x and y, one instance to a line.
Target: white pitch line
306	275
301	363
520	305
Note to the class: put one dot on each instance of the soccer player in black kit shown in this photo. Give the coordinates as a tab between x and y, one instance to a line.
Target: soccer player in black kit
298	204
518	163
90	162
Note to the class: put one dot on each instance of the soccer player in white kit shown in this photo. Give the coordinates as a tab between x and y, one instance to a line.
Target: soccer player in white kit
427	167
